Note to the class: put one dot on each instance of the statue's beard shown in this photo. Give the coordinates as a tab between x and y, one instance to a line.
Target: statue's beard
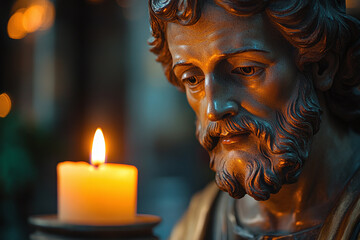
277	155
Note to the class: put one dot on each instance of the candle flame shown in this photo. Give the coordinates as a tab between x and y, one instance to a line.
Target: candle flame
98	148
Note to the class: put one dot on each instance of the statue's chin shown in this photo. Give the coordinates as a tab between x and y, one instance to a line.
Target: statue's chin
229	185
240	173
233	194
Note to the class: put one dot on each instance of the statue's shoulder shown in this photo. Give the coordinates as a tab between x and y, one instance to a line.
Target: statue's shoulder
344	220
192	224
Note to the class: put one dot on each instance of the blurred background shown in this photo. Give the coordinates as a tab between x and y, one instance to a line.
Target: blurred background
68	67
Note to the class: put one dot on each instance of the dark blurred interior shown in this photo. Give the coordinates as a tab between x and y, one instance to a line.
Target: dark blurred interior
85	64
90	68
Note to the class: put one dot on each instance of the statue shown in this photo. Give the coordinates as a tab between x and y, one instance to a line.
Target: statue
274	85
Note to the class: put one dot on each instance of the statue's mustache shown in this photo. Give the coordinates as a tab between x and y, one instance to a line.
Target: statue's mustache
209	137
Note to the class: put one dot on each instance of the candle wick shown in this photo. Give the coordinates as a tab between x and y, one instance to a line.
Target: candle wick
96	165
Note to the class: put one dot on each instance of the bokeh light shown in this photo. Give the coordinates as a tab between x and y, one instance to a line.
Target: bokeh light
5	105
15	26
36	15
33	17
48	16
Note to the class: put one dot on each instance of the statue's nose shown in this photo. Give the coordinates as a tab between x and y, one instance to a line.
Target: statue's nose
221	109
220	102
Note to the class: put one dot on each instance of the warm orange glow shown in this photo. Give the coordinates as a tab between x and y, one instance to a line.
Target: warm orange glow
98	148
5	105
352	3
33	17
15	26
49	16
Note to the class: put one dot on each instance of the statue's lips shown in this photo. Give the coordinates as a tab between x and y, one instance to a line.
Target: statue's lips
233	138
225	138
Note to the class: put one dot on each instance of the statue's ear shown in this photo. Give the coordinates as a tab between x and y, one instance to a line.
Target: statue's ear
325	70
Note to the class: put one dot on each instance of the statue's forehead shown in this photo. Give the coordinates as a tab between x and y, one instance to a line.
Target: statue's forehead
218	32
214	21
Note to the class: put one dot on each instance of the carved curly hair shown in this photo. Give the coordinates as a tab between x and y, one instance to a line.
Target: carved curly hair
313	27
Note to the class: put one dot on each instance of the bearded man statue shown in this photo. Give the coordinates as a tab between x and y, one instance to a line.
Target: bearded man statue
275	90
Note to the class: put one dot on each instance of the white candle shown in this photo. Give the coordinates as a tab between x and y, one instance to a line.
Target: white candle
104	194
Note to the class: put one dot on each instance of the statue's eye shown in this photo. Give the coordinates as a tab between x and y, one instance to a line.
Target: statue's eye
192	81
246	71
191	77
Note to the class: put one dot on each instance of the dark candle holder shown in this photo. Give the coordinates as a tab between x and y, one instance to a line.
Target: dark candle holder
48	227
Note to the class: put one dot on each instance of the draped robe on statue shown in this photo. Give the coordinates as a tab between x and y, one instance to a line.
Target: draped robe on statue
211	216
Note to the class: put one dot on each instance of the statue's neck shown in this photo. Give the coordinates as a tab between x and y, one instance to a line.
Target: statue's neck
308	202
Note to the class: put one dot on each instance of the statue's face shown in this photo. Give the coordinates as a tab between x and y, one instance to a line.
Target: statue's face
241	80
